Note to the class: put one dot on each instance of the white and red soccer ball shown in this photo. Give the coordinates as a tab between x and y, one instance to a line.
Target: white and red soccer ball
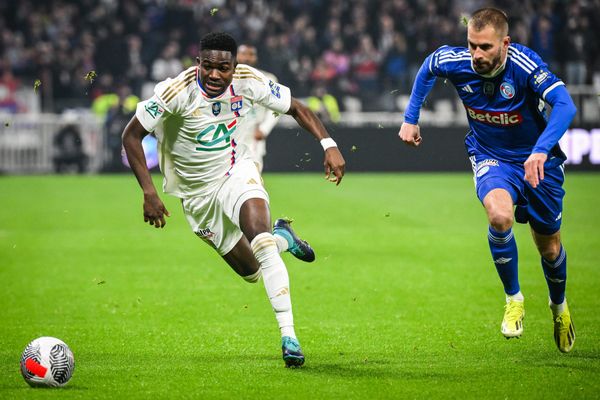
47	361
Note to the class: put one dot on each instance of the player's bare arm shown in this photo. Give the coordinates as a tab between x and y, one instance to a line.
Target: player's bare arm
334	162
154	209
410	134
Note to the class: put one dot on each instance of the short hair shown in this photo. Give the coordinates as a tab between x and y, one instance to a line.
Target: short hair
490	16
219	41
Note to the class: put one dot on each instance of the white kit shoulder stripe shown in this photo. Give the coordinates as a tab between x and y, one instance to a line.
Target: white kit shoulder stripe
523	67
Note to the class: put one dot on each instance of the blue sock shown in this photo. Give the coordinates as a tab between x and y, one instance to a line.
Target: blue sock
506	258
556	276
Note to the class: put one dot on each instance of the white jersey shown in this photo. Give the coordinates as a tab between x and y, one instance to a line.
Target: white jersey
198	141
260	118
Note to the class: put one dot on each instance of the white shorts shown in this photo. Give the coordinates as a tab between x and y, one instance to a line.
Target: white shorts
215	215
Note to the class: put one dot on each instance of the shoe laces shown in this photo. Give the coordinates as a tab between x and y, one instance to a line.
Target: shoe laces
291	344
562	321
513	310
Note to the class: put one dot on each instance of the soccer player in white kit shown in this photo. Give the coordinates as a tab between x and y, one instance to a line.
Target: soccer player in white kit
260	121
195	117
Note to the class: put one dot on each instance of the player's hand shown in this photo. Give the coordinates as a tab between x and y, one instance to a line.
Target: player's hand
258	135
534	168
410	134
334	165
154	210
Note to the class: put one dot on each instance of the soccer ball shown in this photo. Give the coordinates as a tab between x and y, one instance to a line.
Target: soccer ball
47	361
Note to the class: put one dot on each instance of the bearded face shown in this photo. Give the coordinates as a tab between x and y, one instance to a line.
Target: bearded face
488	49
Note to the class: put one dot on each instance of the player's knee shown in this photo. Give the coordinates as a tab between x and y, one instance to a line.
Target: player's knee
550	251
500	220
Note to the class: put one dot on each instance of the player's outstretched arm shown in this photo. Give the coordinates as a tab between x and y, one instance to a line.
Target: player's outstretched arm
410	134
334	162
563	112
154	209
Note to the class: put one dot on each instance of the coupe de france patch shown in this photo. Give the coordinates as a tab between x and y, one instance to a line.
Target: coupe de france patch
237	102
153	109
216	108
507	90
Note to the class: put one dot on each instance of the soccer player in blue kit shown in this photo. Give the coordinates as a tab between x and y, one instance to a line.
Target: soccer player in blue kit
514	151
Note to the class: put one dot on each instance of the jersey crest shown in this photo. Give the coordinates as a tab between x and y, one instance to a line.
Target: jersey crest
507	90
236	103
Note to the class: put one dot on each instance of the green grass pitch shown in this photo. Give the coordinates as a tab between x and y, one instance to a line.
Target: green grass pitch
402	302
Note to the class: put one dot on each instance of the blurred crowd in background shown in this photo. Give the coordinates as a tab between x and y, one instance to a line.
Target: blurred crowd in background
364	49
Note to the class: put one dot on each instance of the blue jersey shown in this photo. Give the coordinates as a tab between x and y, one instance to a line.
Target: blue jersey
506	113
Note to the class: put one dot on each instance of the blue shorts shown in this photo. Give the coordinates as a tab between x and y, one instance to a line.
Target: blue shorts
540	207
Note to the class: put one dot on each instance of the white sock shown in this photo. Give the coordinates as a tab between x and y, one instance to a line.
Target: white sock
282	243
253	278
558	308
276	279
517	296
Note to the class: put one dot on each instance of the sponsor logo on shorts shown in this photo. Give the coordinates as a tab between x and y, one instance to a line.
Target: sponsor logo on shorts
498	118
507	90
482	171
205	233
487	162
483	167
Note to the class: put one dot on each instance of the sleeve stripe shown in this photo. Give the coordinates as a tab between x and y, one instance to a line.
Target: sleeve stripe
455	60
523	58
430	62
551	87
189	75
246	76
175	90
455	55
526	58
526	69
177	82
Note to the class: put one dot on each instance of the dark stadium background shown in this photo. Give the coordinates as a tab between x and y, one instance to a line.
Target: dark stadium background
93	59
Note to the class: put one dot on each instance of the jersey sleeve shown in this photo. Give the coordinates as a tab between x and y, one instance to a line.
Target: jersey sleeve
421	87
169	98
440	60
270	94
552	90
540	79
